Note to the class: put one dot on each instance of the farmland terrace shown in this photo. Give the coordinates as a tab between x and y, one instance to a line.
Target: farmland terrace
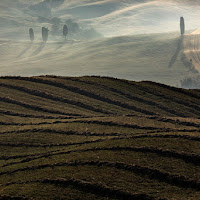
98	138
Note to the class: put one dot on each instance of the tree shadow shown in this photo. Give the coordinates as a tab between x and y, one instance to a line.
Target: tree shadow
61	45
39	49
64	43
174	57
25	50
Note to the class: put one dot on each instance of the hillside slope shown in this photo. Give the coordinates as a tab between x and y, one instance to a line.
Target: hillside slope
192	48
143	56
139	57
98	138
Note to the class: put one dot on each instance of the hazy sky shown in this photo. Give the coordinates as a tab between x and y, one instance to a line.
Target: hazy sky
111	17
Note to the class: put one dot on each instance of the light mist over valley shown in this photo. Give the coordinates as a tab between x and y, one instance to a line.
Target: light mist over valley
135	40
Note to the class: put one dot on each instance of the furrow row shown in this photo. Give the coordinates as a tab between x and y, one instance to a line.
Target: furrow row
192	108
14	114
177	121
54	98
98	189
188	158
128	96
174	89
176	180
104	123
59	132
33	107
13	198
196	108
84	93
184	137
88	187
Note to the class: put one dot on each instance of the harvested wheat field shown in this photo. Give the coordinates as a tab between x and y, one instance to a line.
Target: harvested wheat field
98	138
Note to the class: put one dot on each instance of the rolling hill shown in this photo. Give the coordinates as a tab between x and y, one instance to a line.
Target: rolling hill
141	57
98	138
141	40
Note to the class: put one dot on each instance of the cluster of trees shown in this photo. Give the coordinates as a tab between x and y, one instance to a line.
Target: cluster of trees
45	33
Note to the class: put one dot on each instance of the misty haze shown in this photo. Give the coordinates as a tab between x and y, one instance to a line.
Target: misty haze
124	39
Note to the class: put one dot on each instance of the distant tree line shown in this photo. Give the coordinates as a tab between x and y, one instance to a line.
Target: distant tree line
74	28
45	33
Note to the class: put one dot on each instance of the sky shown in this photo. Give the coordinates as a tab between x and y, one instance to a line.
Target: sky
109	17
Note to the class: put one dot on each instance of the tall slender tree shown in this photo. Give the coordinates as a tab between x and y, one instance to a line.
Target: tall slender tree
182	25
65	31
31	34
45	33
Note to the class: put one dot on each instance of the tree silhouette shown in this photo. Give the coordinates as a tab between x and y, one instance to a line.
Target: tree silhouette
31	34
65	31
45	33
182	25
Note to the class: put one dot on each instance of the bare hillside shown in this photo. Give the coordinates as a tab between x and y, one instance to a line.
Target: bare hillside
98	138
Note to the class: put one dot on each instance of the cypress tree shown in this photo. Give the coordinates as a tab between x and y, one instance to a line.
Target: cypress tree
45	33
31	34
182	25
65	31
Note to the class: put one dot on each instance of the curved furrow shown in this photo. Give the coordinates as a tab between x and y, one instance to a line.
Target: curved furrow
177	121
170	136
104	123
176	180
27	155
85	93
97	189
88	187
195	108
174	89
13	198
157	93
33	107
110	123
188	158
35	130
179	90
188	104
50	145
54	98
128	96
183	137
46	130
14	114
71	115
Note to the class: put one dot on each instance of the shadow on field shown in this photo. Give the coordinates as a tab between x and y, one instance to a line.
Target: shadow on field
25	50
39	49
174	57
60	46
64	43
